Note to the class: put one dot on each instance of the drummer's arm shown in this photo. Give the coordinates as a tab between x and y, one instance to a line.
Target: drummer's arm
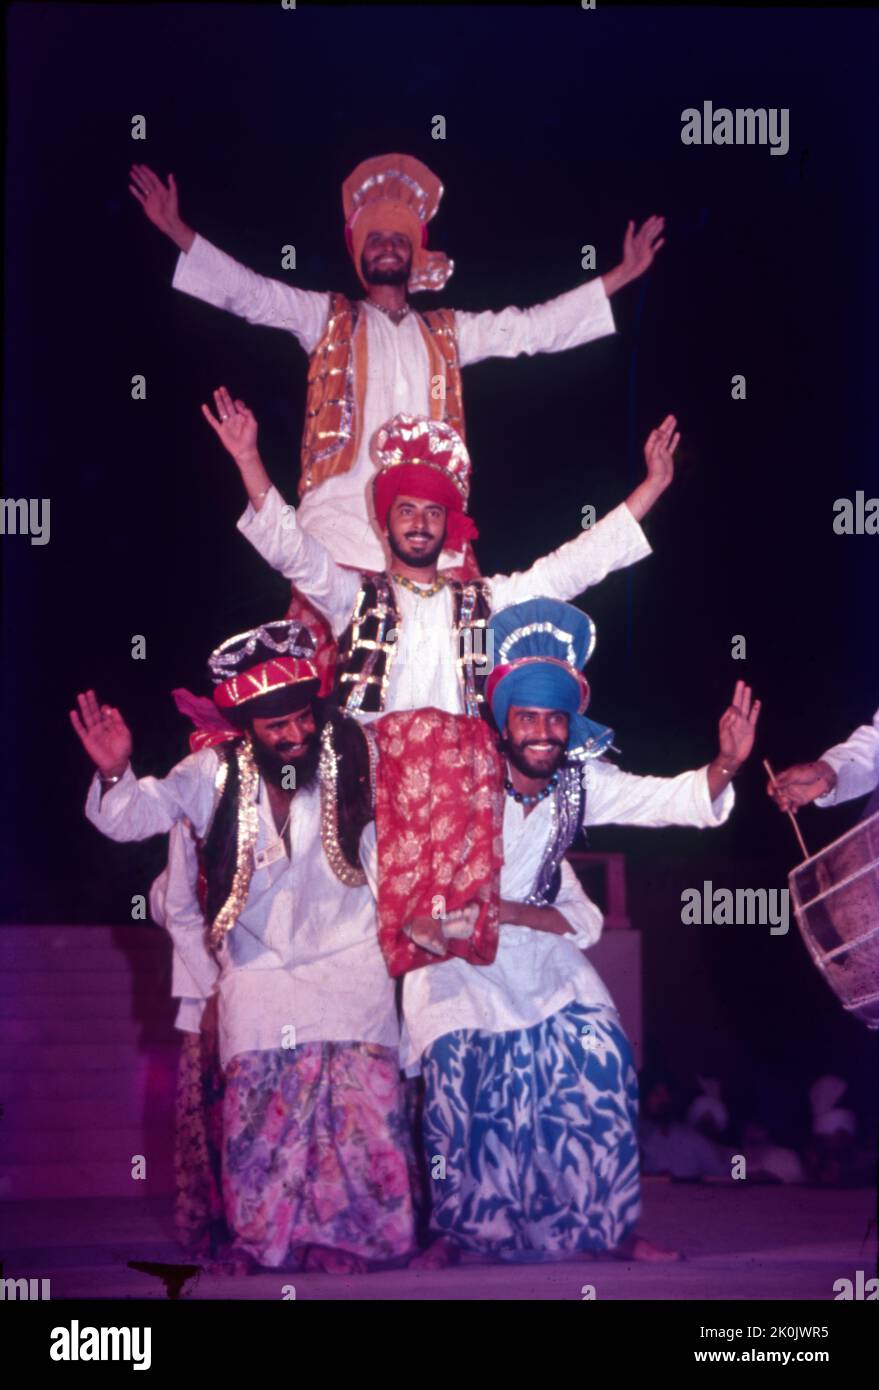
851	767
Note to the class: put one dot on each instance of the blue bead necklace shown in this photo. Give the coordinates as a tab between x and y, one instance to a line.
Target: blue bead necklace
530	800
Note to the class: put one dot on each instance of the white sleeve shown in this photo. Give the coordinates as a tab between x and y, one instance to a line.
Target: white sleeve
369	857
611	544
614	797
275	532
209	274
174	905
856	764
136	808
583	917
574	318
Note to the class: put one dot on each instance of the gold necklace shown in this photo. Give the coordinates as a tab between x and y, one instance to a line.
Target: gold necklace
428	592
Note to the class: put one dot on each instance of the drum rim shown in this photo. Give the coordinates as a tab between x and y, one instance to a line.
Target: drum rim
838	841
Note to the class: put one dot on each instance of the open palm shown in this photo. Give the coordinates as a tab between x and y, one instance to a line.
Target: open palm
738	725
236	426
103	734
158	202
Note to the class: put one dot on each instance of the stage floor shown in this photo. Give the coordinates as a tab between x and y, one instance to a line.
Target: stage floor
740	1243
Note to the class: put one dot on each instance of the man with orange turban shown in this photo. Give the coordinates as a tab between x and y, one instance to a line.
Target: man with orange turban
373	358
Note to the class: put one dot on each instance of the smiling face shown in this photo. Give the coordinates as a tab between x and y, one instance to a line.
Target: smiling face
289	740
535	740
416	530
386	258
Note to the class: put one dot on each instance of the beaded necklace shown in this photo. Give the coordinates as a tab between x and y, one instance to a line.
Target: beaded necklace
395	315
428	592
530	800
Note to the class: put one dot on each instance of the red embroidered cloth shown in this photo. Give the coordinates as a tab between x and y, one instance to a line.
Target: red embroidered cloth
439	828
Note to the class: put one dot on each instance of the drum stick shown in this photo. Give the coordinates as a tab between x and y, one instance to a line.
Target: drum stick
793	819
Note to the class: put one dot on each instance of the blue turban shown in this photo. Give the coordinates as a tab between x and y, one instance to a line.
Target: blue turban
538	649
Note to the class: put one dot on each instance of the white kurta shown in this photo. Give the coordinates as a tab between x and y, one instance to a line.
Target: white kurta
174	905
304	952
537	973
398	376
423	671
856	764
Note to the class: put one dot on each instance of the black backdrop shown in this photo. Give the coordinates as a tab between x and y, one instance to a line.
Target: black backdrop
561	124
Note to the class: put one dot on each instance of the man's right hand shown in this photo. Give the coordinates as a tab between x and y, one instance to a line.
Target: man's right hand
235	425
103	734
800	784
160	204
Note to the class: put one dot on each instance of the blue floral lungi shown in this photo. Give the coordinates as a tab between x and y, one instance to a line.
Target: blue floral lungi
531	1136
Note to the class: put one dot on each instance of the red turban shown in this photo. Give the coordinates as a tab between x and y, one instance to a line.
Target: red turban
425	459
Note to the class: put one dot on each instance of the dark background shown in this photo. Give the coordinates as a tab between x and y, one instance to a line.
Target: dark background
561	124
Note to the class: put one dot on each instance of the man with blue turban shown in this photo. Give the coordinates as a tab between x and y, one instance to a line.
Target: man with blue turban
530	1106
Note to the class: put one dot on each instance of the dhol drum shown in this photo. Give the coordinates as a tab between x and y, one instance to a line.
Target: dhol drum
835	895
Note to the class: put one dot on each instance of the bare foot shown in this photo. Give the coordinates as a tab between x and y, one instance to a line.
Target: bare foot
440	1255
321	1259
637	1248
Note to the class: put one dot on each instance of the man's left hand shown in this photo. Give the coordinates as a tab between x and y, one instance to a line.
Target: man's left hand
738	726
639	250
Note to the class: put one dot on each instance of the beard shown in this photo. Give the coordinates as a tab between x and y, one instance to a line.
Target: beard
517	755
421	561
272	761
387	276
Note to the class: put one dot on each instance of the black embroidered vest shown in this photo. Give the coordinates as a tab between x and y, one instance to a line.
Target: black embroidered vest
368	646
346	778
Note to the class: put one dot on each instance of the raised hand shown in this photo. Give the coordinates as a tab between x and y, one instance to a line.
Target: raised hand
640	248
158	202
103	734
659	451
800	784
659	454
738	726
236	427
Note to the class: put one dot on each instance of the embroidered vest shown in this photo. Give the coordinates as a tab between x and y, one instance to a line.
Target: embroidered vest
368	646
346	778
337	387
568	805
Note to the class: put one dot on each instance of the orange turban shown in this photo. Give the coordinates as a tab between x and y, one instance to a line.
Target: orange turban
397	193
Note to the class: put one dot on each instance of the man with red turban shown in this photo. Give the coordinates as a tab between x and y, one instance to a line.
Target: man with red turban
410	637
315	1157
372	358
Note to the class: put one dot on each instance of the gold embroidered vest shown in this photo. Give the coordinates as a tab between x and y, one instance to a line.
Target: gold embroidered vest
367	647
346	778
337	387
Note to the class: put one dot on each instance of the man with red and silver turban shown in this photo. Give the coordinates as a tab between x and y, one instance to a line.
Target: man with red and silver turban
410	636
315	1158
